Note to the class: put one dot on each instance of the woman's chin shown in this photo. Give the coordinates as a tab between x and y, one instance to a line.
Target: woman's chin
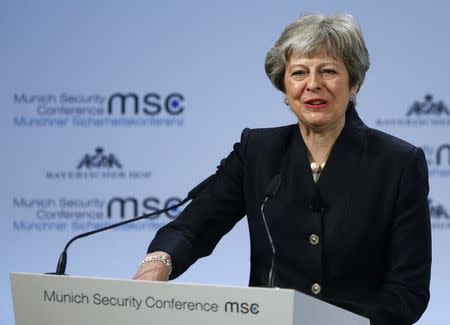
317	123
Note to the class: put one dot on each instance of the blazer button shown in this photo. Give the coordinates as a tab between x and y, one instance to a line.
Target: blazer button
315	288
314	239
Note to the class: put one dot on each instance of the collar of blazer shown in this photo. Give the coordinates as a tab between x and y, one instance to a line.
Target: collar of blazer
344	167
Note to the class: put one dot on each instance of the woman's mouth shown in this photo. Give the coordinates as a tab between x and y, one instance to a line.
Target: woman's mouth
316	103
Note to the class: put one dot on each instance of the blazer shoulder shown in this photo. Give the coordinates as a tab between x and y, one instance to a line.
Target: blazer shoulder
267	143
268	139
388	144
270	135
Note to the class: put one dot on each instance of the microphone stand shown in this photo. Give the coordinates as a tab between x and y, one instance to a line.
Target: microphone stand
61	266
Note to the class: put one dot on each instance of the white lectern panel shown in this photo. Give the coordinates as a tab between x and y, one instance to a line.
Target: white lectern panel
48	299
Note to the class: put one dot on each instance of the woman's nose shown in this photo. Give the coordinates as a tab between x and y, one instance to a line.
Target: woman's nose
313	81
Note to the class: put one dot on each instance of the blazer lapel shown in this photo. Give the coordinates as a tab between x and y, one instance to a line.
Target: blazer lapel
345	157
339	184
298	192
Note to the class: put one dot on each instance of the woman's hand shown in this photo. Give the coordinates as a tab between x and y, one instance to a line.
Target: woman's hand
153	270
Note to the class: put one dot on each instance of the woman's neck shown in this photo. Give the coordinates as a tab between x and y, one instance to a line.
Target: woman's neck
320	141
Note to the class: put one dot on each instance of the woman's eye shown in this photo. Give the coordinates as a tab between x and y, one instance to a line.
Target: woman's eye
329	71
298	73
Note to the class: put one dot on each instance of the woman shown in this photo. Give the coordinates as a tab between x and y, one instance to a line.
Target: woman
350	220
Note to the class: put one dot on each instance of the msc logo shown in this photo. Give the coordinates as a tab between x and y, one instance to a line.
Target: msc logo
241	308
132	207
428	107
443	155
99	160
150	104
438	157
437	211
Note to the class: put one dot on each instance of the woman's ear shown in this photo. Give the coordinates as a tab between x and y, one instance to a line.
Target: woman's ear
354	90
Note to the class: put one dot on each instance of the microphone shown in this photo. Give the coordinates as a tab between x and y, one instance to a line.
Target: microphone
270	192
61	266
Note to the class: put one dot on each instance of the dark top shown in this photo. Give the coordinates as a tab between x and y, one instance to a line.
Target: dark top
369	210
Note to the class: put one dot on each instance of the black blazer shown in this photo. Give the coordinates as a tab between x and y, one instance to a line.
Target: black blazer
369	211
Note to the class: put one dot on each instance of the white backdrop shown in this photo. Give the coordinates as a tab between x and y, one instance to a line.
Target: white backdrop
194	73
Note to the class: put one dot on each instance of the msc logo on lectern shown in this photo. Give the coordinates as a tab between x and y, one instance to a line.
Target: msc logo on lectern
241	307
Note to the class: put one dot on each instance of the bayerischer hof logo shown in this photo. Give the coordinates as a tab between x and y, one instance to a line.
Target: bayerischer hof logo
428	111
428	107
99	160
440	217
97	165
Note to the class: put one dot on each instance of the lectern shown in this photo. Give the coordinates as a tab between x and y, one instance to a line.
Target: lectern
56	300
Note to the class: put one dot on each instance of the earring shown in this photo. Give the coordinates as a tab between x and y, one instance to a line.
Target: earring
352	100
285	100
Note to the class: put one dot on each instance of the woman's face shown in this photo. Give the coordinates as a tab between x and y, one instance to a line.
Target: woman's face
318	91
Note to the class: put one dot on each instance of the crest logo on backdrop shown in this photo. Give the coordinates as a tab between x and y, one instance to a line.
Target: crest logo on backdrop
439	214
99	160
428	107
98	165
424	112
